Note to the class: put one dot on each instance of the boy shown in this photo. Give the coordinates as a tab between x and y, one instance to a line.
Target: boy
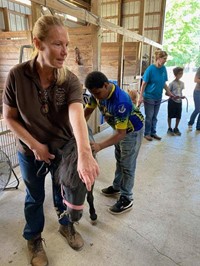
175	103
127	122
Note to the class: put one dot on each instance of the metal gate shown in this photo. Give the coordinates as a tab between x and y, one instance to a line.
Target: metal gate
8	145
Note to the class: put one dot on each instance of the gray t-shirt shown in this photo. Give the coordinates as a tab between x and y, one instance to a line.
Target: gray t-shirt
197	87
23	91
176	87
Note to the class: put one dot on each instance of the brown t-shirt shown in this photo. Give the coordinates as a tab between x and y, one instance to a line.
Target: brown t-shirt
22	91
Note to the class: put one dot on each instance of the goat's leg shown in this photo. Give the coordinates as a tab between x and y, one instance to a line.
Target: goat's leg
90	200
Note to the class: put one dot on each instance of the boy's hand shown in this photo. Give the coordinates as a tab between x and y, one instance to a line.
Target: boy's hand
95	147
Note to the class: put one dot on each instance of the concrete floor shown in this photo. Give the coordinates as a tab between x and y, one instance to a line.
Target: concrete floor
162	229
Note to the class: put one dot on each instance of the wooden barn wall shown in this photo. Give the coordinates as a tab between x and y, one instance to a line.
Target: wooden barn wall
80	38
110	59
143	17
10	43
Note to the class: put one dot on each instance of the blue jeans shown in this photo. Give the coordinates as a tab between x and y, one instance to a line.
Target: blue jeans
151	108
35	195
126	152
196	96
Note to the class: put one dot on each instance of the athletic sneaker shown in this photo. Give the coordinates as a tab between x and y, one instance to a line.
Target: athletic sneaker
110	191
121	206
190	127
170	131
177	132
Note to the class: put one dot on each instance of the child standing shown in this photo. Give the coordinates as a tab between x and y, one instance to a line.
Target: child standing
134	96
175	103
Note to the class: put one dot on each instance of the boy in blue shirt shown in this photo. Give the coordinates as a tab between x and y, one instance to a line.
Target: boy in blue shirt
127	122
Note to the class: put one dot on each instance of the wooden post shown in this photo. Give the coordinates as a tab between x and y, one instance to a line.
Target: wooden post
121	59
141	32
96	33
96	44
6	19
162	18
36	13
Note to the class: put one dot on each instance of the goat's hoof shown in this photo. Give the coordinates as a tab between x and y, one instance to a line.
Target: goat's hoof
93	219
93	222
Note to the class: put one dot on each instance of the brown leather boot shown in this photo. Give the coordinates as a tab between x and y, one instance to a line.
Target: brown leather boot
74	239
37	253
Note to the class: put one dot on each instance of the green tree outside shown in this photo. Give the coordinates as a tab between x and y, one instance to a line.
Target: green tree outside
182	32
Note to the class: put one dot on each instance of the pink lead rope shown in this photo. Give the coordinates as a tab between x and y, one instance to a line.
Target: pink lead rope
68	204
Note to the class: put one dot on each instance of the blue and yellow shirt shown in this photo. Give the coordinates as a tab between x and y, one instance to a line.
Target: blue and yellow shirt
118	110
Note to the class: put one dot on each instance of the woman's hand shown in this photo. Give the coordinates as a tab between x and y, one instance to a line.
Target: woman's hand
40	150
88	170
141	100
41	153
87	166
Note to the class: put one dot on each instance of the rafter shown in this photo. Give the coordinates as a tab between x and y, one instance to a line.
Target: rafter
80	3
95	20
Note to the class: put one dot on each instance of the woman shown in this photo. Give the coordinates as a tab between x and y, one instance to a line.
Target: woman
42	105
196	96
154	80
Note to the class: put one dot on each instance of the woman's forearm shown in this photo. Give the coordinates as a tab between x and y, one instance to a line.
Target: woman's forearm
79	126
87	166
10	116
142	88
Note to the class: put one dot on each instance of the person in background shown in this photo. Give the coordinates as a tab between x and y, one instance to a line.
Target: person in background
127	122
42	105
134	96
154	80
175	104
196	97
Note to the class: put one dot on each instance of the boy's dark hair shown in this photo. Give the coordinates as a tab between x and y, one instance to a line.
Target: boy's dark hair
95	80
177	70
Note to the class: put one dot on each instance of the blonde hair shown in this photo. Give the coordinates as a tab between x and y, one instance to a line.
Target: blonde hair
41	30
159	54
133	95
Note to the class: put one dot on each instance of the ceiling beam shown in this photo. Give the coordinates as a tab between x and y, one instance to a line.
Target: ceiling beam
80	13
162	19
79	3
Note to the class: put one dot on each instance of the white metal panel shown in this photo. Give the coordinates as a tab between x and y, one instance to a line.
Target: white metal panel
17	7
27	10
4	3
18	23
153	5
12	22
11	6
